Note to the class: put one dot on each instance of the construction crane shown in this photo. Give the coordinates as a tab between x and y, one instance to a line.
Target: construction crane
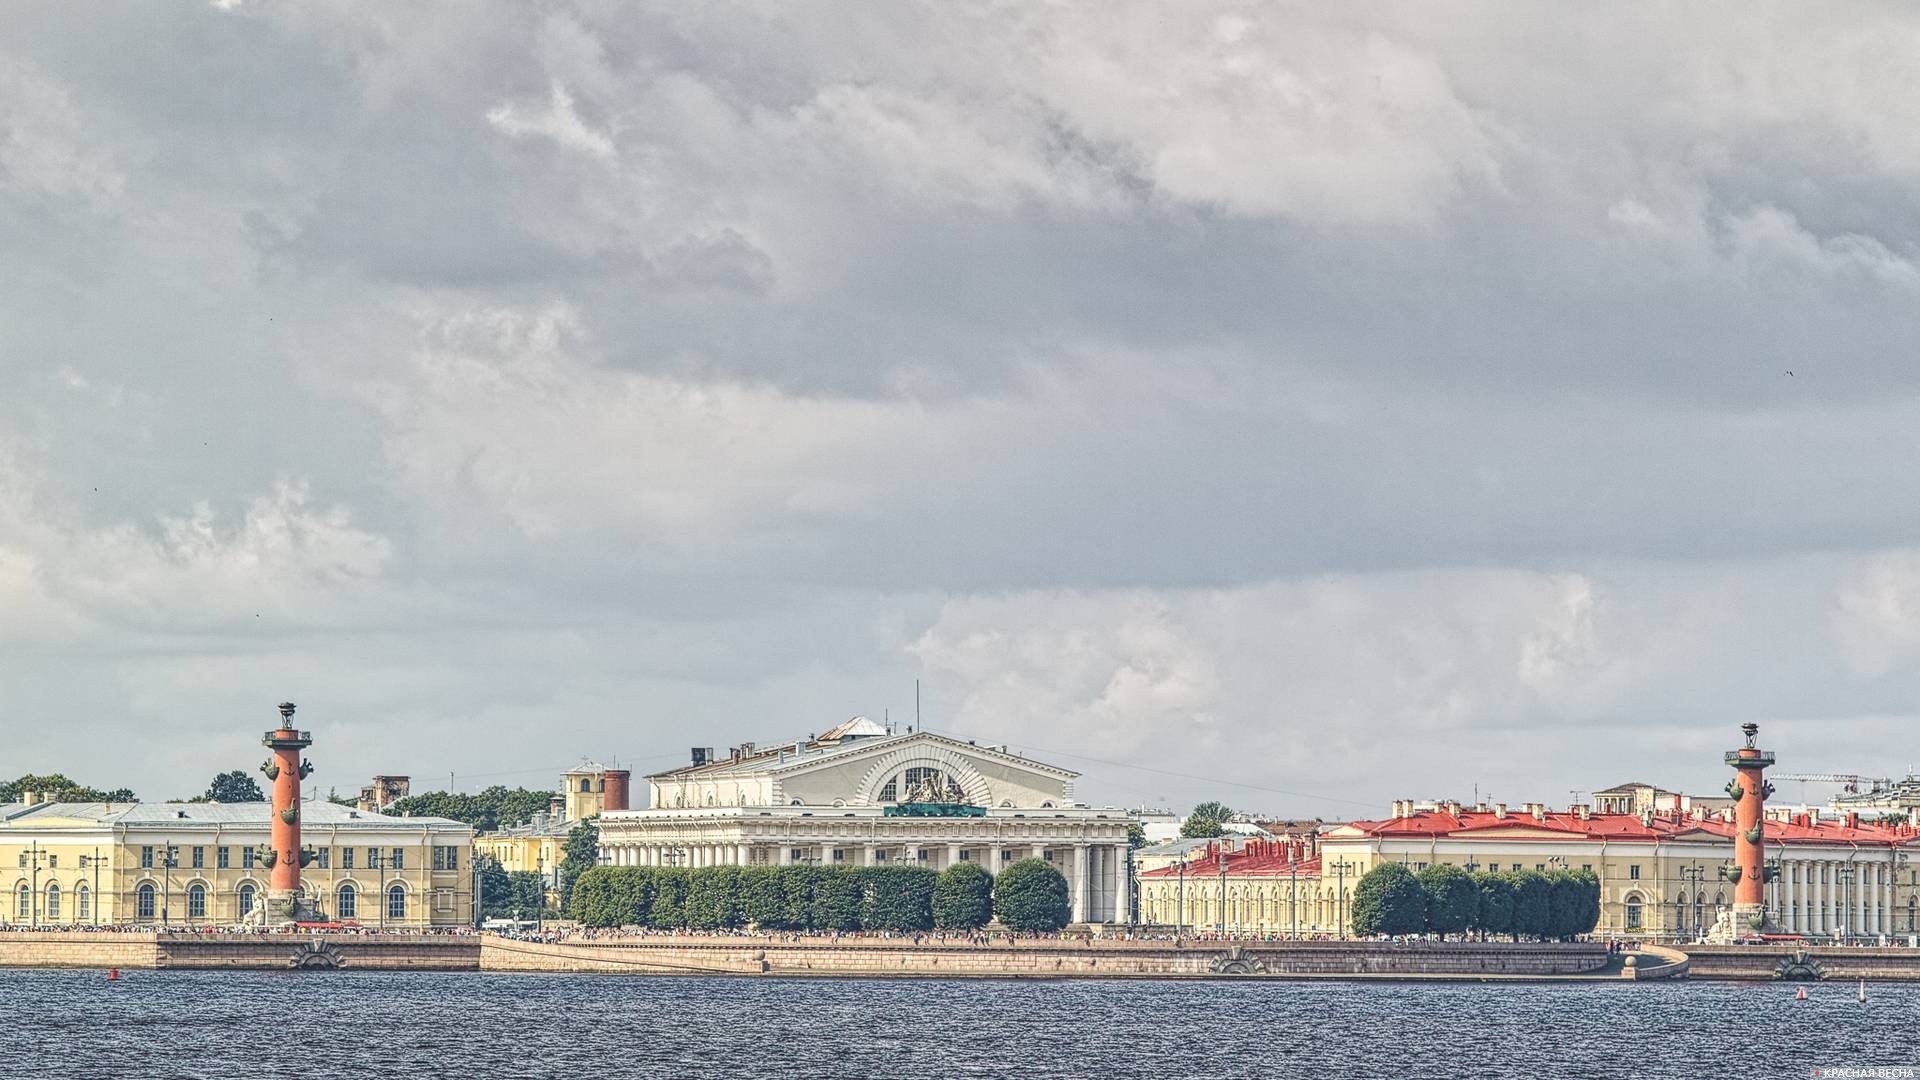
1851	780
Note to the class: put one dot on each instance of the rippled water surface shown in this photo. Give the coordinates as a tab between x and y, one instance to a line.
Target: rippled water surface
345	1024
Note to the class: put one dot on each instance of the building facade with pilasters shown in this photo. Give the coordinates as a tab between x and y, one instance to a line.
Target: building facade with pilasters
858	795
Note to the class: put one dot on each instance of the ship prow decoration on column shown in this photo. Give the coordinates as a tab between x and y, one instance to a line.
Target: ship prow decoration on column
285	769
1749	871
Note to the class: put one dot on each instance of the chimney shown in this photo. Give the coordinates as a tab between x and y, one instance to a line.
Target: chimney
1452	807
619	790
1500	810
746	749
1853	820
1582	811
699	755
556	806
1538	811
29	798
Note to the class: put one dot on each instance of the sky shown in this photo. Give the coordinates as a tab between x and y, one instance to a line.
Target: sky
1303	406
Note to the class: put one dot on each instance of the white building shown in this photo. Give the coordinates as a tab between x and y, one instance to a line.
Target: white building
860	796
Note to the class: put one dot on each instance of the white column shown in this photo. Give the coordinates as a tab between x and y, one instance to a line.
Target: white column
826	854
870	855
743	854
1120	884
953	856
993	858
1826	896
1077	882
1796	872
785	855
1870	898
1039	851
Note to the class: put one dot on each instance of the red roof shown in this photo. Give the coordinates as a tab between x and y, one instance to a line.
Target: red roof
1666	825
1269	858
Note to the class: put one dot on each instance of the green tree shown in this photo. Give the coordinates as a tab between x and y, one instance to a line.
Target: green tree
1573	903
898	898
1453	899
1388	900
1495	913
763	901
668	908
1532	904
582	855
341	800
834	903
1207	821
1136	835
713	894
61	789
526	895
233	787
963	897
1031	895
496	889
495	808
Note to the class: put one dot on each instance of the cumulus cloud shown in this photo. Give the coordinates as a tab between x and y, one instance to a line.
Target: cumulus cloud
1328	399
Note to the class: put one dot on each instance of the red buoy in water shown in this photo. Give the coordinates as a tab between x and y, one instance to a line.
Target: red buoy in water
113	974
1800	994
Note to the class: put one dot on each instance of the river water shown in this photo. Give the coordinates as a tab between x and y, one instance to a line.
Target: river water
75	1024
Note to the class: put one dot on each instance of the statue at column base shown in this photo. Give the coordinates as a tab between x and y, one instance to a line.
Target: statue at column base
283	908
1739	922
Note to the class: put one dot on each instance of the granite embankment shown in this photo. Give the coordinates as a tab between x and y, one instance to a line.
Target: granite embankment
144	951
1051	959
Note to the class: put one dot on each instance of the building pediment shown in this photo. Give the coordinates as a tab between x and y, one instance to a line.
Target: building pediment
879	772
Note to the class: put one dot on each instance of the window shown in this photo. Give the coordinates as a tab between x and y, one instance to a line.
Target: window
223	858
396	903
246	900
373	858
23	859
453	858
1633	872
966	856
346	858
197	902
324	858
1540	866
348	903
53	900
53	861
143	902
1419	866
1586	868
439	858
83	902
1633	912
199	858
585	784
146	857
23	903
246	858
399	859
839	856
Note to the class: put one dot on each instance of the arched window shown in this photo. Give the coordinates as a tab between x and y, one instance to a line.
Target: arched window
196	901
586	784
83	902
1633	911
143	901
53	900
348	907
246	900
396	903
23	902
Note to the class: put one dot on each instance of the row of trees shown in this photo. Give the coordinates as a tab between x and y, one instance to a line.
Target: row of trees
1029	895
494	808
62	790
1442	900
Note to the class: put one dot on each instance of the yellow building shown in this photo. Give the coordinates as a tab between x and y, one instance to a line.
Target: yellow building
193	864
1660	879
540	845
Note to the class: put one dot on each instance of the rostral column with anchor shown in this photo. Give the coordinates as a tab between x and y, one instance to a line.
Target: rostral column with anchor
285	857
1749	872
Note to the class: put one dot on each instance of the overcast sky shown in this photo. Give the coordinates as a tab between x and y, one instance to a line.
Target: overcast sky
1340	403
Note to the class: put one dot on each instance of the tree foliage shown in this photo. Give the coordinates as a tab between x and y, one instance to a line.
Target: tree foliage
1495	914
495	887
582	854
766	897
494	808
1031	895
1453	899
61	789
233	787
1389	900
1532	903
963	897
1207	821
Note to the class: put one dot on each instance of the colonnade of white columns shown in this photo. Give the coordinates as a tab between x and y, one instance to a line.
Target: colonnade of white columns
1839	896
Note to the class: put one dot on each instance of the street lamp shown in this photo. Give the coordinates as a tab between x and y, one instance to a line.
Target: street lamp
1180	901
1694	873
1223	897
169	858
35	853
1845	872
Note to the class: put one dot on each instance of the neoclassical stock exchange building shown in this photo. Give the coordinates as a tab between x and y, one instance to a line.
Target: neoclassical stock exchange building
858	795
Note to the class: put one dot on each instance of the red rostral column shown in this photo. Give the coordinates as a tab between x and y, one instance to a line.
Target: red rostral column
286	770
1749	837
